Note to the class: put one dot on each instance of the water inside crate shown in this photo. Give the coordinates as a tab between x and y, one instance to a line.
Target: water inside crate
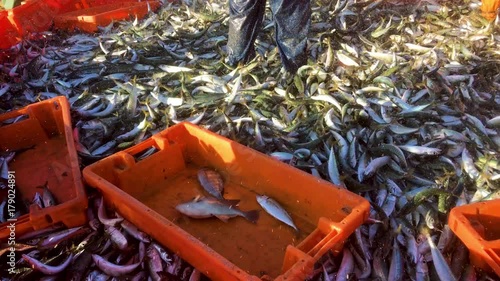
487	226
256	248
47	161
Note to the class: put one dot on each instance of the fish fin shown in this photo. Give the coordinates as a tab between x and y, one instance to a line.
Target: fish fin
231	202
252	216
223	218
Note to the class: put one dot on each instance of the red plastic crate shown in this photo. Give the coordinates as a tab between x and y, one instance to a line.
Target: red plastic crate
146	192
49	156
38	16
32	16
91	18
478	226
9	34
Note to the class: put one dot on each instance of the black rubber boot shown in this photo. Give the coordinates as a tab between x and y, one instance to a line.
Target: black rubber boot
245	20
292	19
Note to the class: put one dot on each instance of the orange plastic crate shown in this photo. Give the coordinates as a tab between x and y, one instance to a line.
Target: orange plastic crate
146	192
478	226
49	156
489	9
91	18
38	15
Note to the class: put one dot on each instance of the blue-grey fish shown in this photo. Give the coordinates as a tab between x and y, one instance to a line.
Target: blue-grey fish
38	200
346	266
274	209
204	207
494	122
2	211
421	149
396	270
376	164
4	169
333	170
468	164
442	268
47	196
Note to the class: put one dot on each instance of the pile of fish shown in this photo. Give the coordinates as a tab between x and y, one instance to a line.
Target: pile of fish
399	102
108	248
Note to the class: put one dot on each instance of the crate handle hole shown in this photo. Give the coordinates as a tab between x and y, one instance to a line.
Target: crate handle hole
48	218
145	153
15	119
56	105
120	166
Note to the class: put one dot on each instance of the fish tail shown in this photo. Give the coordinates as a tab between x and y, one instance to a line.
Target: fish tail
252	216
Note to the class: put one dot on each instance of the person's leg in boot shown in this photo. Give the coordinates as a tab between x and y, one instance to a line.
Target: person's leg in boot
292	19
245	19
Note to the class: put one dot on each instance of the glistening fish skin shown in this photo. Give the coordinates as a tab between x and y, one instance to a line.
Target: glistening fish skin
205	207
276	210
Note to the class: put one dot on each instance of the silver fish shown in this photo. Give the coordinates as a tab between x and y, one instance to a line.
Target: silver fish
37	199
274	209
442	268
48	269
111	268
204	207
47	196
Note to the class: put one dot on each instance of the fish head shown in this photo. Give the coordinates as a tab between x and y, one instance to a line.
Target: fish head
262	199
184	208
198	208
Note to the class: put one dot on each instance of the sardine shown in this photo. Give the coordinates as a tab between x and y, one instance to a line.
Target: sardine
48	269
38	200
135	232
47	196
103	218
274	209
442	267
113	269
